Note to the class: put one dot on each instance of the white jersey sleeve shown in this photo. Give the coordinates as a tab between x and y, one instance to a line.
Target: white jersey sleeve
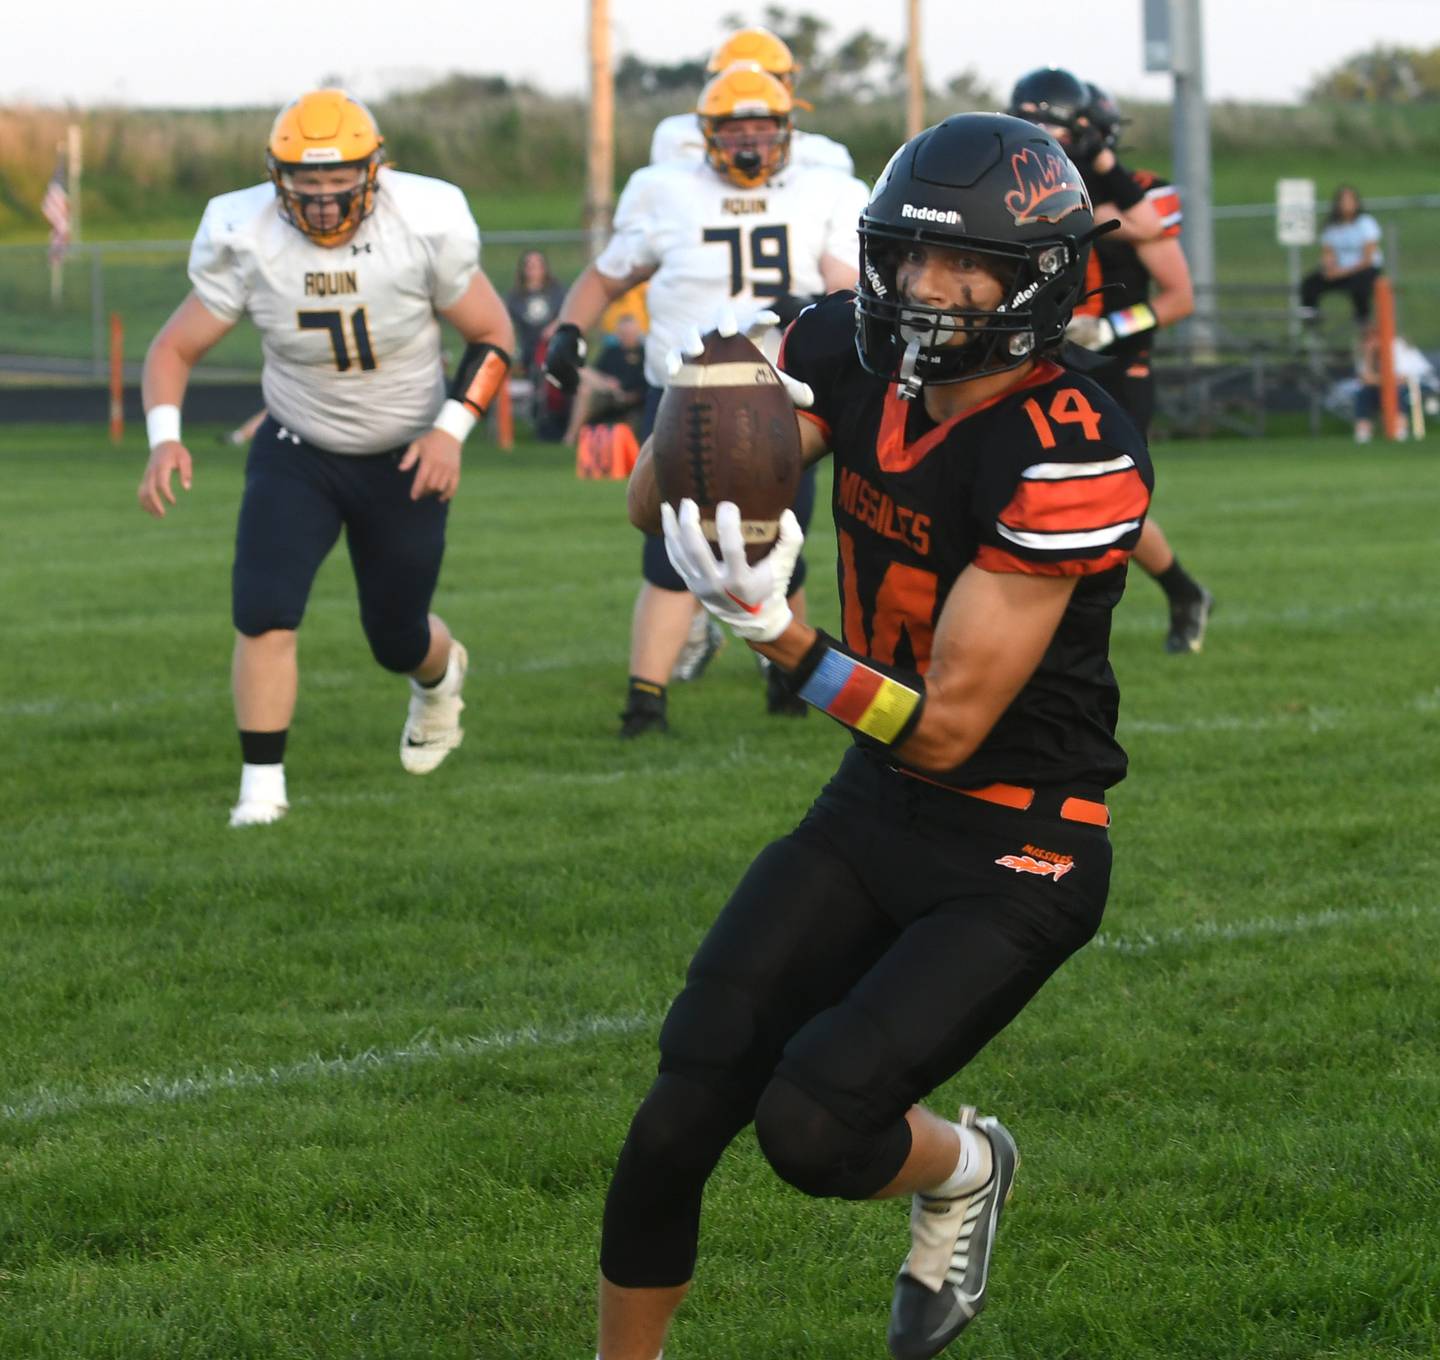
436	211
847	201
677	138
811	148
635	240
219	255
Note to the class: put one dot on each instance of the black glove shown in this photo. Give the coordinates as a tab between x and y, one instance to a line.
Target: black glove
564	358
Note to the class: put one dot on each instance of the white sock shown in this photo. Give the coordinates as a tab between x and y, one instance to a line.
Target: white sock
262	784
971	1171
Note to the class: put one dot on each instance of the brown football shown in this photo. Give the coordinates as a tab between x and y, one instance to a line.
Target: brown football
726	431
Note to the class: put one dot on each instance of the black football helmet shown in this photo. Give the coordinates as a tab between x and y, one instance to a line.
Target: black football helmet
993	186
1054	97
1103	114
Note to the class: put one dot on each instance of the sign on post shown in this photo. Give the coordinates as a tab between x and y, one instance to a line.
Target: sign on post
1156	15
1295	212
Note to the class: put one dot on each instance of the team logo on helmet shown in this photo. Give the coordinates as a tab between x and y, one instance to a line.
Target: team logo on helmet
1047	188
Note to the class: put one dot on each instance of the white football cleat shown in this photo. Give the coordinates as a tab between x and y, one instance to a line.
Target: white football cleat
703	643
257	812
262	796
432	728
945	1279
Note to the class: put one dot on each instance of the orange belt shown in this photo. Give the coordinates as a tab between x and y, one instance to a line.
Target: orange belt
1022	799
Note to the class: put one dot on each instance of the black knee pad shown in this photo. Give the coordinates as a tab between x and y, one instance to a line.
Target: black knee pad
819	1153
398	649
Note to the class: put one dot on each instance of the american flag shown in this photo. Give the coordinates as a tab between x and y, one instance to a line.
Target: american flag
56	209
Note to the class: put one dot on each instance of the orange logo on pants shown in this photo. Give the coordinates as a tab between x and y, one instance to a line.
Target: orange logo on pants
1028	864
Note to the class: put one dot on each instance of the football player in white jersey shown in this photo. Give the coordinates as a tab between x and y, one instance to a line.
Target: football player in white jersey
680	136
345	267
744	228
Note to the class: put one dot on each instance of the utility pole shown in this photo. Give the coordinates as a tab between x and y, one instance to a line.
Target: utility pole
600	177
73	169
914	75
1190	131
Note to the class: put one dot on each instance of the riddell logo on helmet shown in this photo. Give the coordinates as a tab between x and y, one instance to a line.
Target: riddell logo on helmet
949	216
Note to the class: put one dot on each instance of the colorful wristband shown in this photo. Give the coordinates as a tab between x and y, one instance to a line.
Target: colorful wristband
856	693
1132	320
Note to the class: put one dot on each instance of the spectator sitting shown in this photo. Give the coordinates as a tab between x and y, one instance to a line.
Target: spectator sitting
532	303
612	389
1350	258
1414	376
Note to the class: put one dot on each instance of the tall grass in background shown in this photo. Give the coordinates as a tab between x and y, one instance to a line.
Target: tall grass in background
153	166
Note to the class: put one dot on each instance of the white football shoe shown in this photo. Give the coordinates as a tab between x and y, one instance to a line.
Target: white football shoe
432	728
945	1279
262	796
257	812
704	641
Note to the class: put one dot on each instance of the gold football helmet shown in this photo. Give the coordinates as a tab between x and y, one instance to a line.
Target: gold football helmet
766	49
741	94
322	131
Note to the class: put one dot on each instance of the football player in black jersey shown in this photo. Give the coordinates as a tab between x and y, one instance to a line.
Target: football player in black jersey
985	504
1118	315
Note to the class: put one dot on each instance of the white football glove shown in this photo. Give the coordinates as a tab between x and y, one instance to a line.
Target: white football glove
751	599
1090	332
754	324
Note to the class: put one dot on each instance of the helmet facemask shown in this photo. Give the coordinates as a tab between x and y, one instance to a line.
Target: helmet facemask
913	344
745	156
302	207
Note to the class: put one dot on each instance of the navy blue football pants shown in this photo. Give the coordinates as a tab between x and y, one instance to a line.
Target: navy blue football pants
297	499
863	960
655	564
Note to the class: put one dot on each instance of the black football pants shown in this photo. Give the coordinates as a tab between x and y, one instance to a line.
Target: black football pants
863	960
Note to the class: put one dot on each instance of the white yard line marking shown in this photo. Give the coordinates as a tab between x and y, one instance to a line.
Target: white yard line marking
1208	932
43	1102
159	1090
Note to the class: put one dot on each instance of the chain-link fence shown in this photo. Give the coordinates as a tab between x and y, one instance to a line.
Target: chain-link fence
1259	347
67	332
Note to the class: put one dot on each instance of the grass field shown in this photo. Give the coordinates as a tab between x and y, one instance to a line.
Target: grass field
352	1086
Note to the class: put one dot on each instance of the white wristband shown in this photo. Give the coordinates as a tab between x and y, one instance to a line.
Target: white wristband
455	420
162	424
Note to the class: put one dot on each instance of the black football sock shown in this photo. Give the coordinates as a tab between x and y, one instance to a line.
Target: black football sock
1178	584
645	696
263	748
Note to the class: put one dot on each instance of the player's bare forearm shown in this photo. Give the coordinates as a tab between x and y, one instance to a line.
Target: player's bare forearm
166	374
789	649
481	316
993	631
181	343
1164	261
592	293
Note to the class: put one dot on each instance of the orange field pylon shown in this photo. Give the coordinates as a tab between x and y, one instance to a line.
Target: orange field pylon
117	379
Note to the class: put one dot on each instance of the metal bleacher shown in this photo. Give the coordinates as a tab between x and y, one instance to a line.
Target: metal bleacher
1246	357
